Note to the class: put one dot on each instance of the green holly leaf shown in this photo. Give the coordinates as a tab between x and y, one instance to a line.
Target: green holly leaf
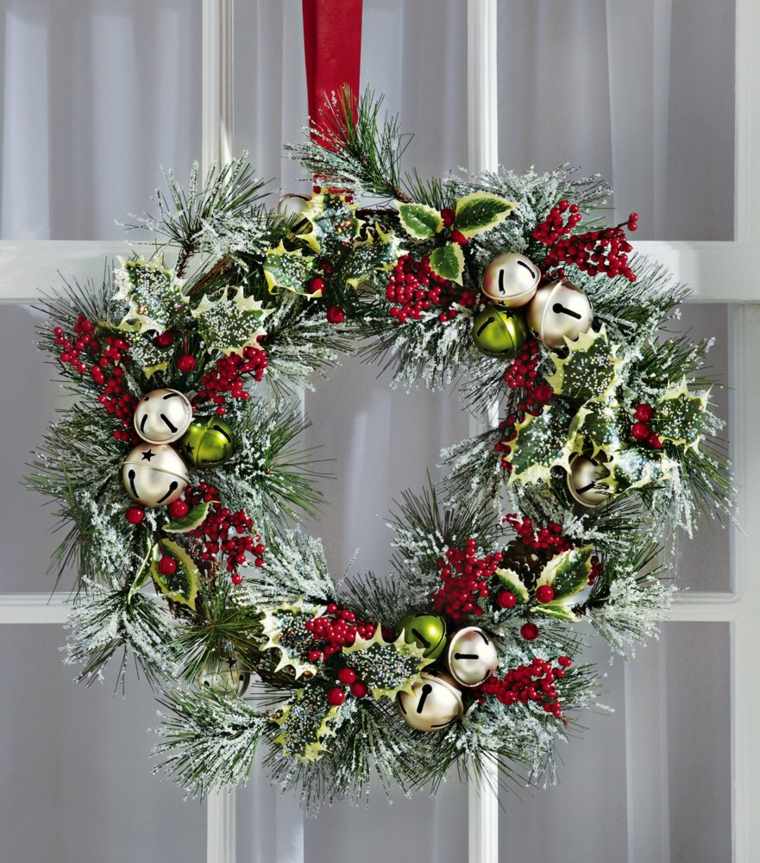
378	251
153	295
480	211
195	517
387	668
588	371
636	467
229	324
568	573
542	442
600	424
284	627
448	262
288	269
333	222
512	582
419	221
679	416
305	723
182	587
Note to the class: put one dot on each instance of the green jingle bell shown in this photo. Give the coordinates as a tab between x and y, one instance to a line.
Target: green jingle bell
207	443
428	630
498	332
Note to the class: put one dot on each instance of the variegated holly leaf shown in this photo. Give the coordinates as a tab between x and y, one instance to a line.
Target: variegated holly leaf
480	211
600	424
306	722
589	371
152	292
419	221
377	251
333	223
447	261
229	324
287	269
542	442
512	582
568	574
285	629
636	467
146	354
182	586
386	667
679	416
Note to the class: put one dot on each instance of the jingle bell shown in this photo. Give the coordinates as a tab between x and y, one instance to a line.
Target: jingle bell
557	312
472	656
498	333
428	630
433	703
224	677
511	280
584	482
162	416
207	443
154	475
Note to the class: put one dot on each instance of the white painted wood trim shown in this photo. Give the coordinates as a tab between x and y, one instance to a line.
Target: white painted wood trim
221	827
483	155
217	111
33	608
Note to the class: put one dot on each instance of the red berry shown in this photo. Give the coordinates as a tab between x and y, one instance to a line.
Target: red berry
316	285
529	631
654	441
506	599
135	515
347	676
314	655
643	413
545	593
335	315
167	565
236	578
448	216
178	508
640	432
186	363
164	340
336	696
358	689
564	661
459	238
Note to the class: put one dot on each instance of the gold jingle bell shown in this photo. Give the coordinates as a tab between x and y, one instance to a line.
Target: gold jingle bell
428	631
225	677
162	416
499	333
154	475
207	443
559	311
511	280
433	703
472	656
584	482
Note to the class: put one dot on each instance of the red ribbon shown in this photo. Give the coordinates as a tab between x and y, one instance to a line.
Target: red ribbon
332	36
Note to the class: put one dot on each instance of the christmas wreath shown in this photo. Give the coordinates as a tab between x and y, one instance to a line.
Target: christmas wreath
177	476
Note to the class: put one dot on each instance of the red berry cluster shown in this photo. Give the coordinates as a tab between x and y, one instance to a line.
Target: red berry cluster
548	538
225	379
413	288
464	578
104	361
222	532
602	251
347	677
335	629
641	431
535	682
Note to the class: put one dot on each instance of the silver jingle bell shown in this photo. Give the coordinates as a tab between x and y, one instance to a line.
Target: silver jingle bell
154	475
471	657
433	703
584	482
225	677
559	311
162	416
511	280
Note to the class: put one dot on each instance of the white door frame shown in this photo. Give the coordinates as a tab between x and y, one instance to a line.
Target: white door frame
717	272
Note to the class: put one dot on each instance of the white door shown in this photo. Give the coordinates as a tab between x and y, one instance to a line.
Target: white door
662	97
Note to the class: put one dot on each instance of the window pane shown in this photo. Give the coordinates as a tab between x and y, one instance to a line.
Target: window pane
98	95
75	766
642	93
